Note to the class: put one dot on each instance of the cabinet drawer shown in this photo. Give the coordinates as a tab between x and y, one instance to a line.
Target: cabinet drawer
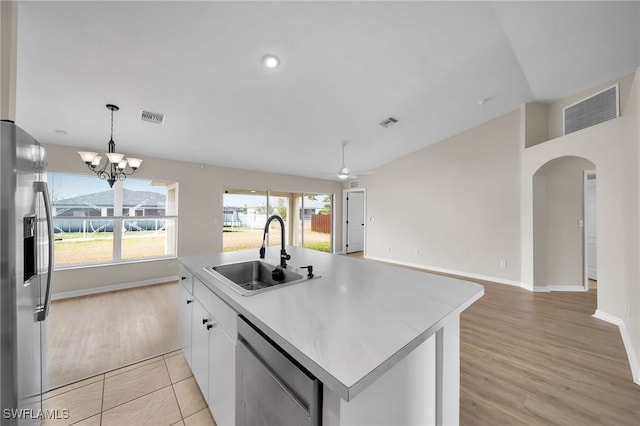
220	311
185	278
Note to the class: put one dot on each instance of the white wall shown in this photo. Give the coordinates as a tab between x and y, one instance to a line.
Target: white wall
464	204
455	202
200	198
613	147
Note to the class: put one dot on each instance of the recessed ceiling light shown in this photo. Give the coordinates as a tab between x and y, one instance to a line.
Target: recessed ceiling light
270	61
60	132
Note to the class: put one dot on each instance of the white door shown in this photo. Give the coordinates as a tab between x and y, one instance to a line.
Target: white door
355	221
590	228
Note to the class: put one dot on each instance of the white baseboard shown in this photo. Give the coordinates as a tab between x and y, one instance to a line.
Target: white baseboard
449	271
104	289
566	288
626	340
537	288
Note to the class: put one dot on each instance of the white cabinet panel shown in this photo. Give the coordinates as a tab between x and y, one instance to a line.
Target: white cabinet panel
223	314
222	377
200	347
185	309
186	279
208	333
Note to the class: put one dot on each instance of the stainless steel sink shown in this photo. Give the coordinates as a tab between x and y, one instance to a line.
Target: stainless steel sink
254	276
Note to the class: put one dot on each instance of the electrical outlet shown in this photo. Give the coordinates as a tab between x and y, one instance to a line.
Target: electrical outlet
388	248
503	263
417	251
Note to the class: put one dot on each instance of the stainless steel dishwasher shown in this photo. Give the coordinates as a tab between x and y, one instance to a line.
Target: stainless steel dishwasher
272	389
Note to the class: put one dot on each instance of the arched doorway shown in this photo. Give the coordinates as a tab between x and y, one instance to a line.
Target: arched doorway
558	224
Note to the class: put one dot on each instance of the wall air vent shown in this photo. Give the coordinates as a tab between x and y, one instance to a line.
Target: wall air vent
354	184
593	110
152	117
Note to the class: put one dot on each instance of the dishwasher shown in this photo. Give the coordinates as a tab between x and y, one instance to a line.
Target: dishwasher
271	387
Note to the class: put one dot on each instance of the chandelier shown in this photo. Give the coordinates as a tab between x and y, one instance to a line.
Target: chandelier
115	168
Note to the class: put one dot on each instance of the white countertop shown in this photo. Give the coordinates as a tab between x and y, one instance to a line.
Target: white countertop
354	322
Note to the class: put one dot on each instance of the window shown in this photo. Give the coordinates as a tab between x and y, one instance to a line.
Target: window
93	224
307	218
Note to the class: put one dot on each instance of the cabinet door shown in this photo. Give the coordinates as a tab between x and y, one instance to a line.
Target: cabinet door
185	309
200	347
222	377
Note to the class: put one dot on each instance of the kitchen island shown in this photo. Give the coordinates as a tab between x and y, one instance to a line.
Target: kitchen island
382	340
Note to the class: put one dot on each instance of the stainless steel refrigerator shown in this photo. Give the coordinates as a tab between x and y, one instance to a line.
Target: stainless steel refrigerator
26	250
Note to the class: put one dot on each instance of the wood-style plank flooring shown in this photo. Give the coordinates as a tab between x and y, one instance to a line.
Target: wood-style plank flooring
93	334
542	358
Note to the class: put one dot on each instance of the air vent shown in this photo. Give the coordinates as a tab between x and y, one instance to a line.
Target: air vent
593	110
354	184
388	122
152	117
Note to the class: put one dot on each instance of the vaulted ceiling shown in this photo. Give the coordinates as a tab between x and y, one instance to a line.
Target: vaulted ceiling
345	67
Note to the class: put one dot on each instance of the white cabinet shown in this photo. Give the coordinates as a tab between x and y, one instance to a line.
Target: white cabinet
208	330
200	347
222	377
185	308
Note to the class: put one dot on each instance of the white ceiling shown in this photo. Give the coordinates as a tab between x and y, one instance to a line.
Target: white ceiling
346	66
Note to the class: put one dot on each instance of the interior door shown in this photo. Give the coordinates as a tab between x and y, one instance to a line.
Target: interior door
355	221
590	228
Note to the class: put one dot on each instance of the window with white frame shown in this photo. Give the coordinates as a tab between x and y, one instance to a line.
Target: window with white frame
94	224
307	218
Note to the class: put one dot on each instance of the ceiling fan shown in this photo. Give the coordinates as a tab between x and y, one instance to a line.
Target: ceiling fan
345	172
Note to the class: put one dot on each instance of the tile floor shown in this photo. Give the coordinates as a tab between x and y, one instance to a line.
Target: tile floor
157	391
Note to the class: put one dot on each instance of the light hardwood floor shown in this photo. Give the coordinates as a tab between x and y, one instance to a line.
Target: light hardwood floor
542	358
93	334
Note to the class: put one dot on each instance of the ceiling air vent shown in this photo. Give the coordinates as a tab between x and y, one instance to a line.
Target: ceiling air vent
388	122
152	117
593	110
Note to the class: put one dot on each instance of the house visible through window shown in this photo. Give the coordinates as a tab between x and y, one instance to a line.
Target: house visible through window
94	224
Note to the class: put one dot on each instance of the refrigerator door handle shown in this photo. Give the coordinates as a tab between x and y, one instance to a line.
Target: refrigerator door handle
43	310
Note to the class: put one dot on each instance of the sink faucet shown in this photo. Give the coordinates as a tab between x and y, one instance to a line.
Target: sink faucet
283	253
